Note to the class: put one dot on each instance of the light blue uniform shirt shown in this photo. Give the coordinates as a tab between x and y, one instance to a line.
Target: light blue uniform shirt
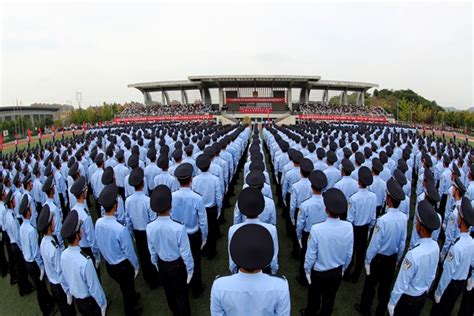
81	277
379	187
58	221
415	238
320	165
348	186
362	207
167	179
299	191
51	254
151	171
273	232
208	186
333	175
445	182
114	241
88	234
266	190
138	209
389	235
418	270
452	230
330	246
96	182
29	243
288	179
168	241
267	216
188	208
458	262
312	211
120	172
12	227
250	294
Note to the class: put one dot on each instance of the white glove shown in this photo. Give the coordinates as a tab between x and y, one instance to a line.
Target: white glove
391	309
157	269
367	269
301	245
218	214
69	299
437	299
470	284
308	277
41	274
190	276
97	263
293	221
136	273
103	311
203	244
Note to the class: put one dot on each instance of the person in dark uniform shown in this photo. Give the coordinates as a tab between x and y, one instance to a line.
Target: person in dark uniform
32	256
329	252
170	252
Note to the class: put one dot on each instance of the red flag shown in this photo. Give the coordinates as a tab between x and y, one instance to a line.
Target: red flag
84	126
40	133
28	133
100	124
1	141
16	138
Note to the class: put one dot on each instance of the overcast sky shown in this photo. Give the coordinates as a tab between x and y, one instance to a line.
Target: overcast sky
51	50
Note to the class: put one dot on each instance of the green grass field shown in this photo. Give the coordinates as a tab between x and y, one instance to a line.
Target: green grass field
154	302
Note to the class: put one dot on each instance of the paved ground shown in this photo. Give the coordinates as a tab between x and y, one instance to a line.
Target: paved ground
154	301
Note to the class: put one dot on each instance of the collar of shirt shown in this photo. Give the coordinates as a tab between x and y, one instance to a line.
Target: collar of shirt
164	218
244	275
252	220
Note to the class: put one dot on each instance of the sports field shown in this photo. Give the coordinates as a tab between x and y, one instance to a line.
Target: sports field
154	303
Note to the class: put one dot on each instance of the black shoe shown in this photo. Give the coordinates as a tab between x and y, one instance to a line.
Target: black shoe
138	311
211	255
198	292
303	311
27	291
346	276
354	279
13	281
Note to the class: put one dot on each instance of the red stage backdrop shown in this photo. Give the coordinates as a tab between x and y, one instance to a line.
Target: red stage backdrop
350	118
255	100
163	118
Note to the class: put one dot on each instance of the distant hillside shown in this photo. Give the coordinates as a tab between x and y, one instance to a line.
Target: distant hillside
450	109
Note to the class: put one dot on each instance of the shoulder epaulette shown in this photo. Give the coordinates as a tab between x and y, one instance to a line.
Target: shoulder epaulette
55	244
85	255
177	222
414	246
197	193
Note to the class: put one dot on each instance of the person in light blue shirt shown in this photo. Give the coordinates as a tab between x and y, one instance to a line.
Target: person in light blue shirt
164	177
332	173
251	203
96	180
385	251
28	191
418	269
328	254
362	208
78	271
170	252
300	190
120	171
151	170
452	227
115	245
48	189
250	292
188	208
50	252
458	262
208	186
379	187
312	211
138	209
108	178
32	256
347	184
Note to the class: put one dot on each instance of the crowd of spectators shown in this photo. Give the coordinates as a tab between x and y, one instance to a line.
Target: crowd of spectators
336	109
156	109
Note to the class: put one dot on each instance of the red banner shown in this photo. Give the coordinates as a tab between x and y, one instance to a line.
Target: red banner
29	135
1	141
163	118
255	109
255	100
350	118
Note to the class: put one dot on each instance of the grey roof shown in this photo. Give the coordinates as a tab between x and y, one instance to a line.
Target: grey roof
233	81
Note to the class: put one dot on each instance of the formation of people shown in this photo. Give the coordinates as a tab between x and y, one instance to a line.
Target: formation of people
337	109
159	192
136	109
